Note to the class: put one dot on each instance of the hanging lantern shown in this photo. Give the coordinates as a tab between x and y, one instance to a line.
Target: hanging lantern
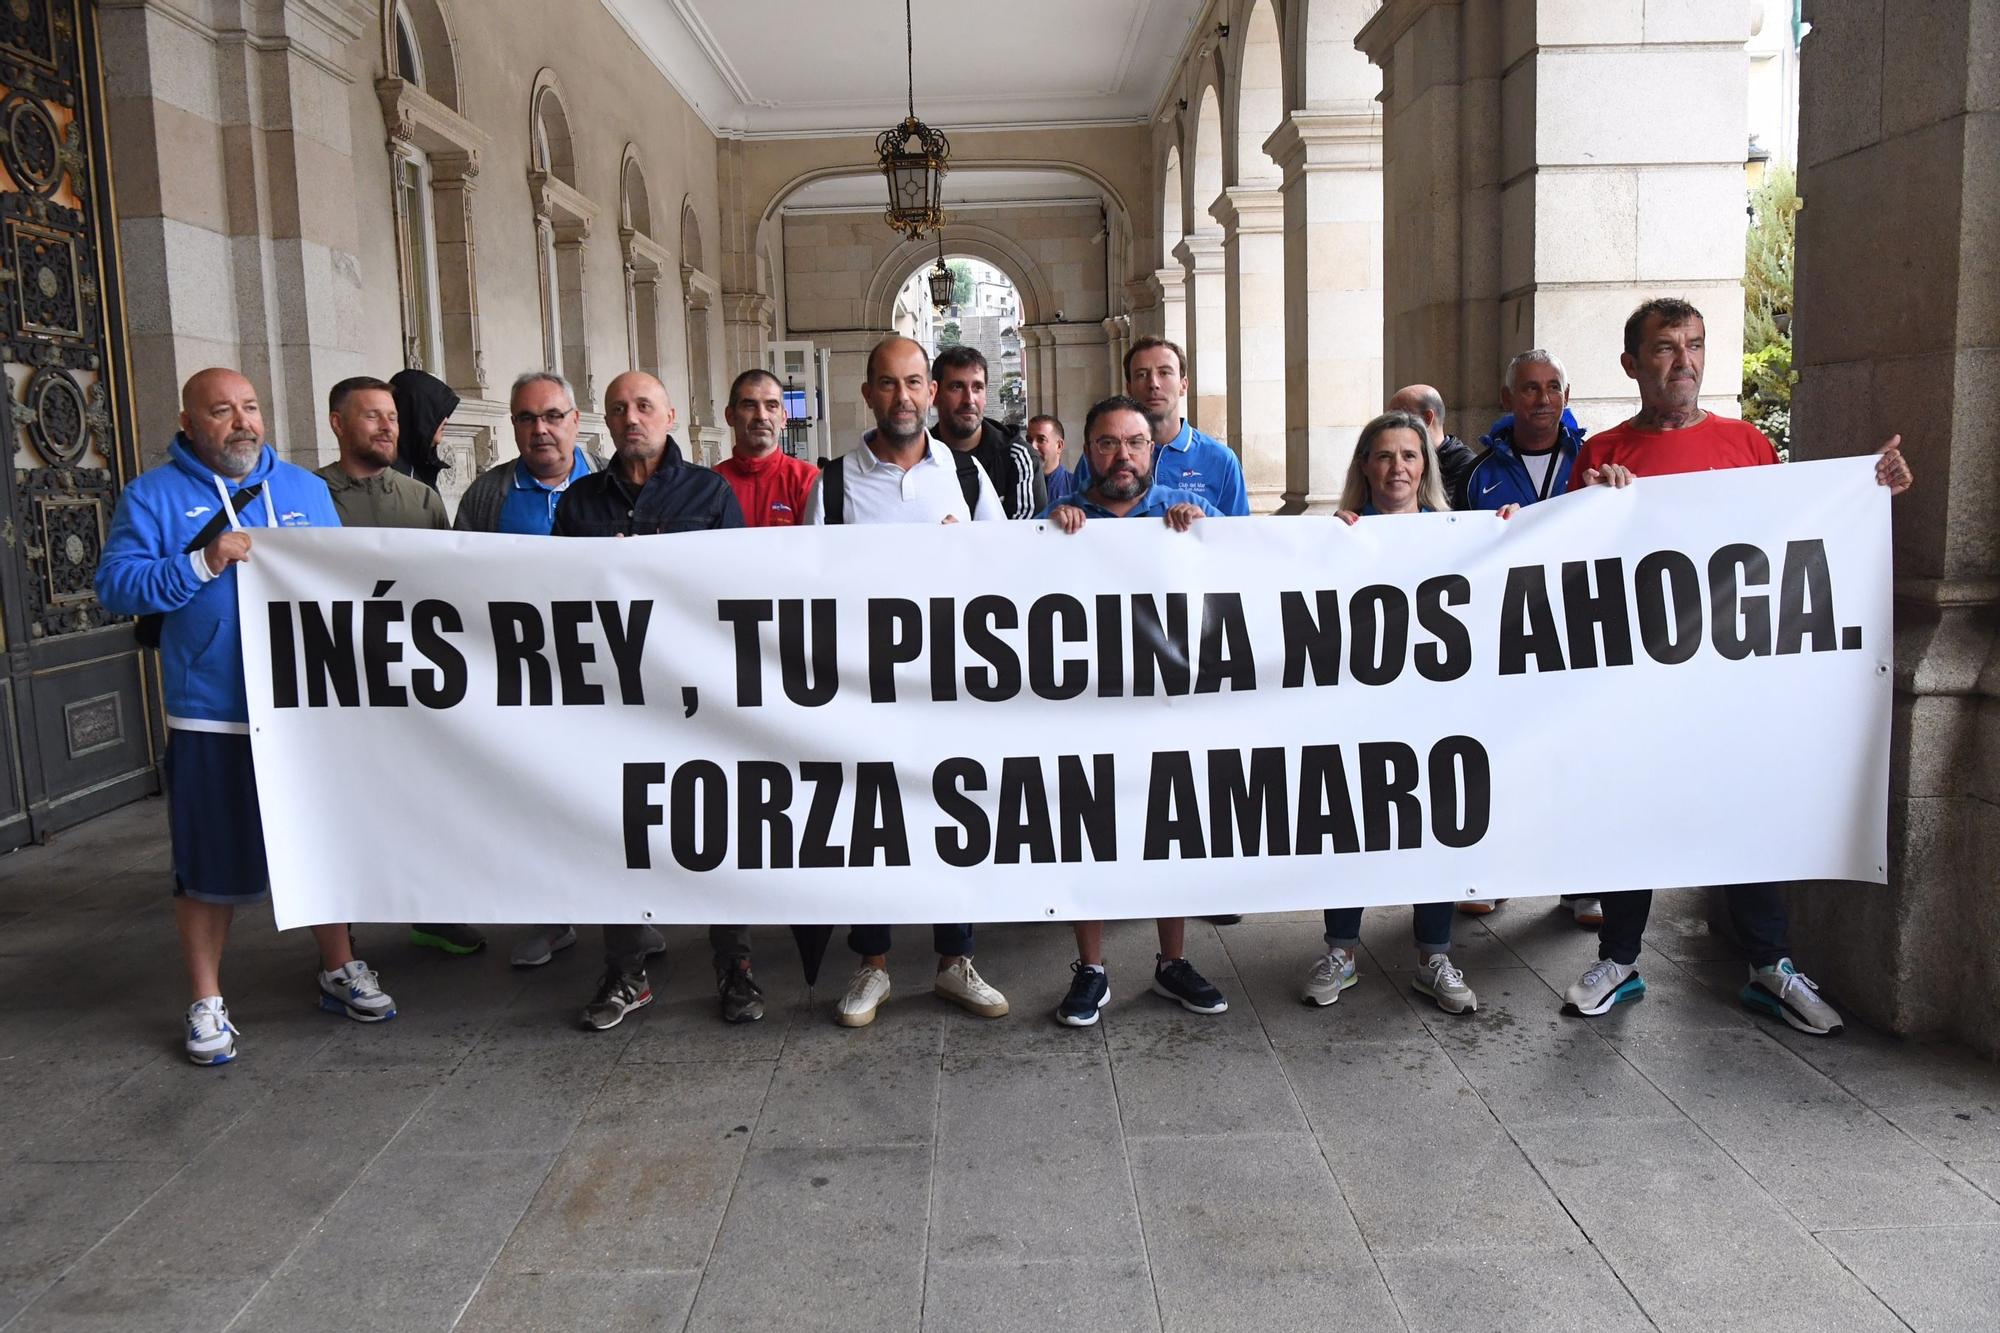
913	158
942	280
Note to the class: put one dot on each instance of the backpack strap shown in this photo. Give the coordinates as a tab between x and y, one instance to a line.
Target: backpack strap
968	481
832	490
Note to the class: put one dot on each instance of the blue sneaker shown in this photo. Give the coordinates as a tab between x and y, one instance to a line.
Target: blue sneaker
1604	985
356	991
1175	979
211	1037
1782	991
1089	992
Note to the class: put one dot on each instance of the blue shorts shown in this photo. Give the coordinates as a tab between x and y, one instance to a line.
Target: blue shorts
212	810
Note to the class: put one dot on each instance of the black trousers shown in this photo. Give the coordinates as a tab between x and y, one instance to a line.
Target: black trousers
949	940
625	948
1757	911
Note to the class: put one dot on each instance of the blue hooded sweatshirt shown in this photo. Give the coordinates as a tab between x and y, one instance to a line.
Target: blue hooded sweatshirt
143	571
1500	478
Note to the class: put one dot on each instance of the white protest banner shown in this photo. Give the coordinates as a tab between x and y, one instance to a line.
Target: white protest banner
1682	683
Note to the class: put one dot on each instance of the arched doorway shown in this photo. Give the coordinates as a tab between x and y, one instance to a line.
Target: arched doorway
984	312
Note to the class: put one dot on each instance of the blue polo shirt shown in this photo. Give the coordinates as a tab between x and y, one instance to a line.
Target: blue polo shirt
1154	504
530	507
1197	463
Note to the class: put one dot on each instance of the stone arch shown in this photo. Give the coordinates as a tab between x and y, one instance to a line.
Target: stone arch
1173	207
691	253
1078	169
997	249
635	201
1258	108
430	35
1203	159
550	146
1324	71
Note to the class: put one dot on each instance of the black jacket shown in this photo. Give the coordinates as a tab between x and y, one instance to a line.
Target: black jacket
1456	459
679	497
423	403
1013	467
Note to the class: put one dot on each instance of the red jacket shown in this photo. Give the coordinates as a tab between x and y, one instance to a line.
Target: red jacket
772	490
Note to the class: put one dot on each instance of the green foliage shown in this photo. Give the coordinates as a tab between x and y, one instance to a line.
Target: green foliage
950	335
961	282
1769	250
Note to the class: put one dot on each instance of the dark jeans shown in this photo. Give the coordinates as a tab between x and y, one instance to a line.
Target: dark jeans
950	941
625	948
1431	925
1757	911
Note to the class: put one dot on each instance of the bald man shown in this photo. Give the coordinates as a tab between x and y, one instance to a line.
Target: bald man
176	538
1455	456
649	489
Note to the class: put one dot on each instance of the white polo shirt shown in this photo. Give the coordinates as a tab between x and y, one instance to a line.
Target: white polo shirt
879	492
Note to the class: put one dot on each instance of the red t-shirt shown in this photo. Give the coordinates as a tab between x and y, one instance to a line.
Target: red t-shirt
1713	442
772	490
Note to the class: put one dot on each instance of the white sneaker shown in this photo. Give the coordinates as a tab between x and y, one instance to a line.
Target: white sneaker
211	1037
1444	983
865	994
1589	912
1332	973
356	991
969	991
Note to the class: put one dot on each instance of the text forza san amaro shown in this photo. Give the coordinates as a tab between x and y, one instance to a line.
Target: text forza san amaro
1266	801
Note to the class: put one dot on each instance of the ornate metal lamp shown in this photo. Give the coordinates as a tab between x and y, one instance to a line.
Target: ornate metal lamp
914	158
942	279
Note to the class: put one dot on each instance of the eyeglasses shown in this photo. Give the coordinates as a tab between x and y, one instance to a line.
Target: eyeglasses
1131	444
551	418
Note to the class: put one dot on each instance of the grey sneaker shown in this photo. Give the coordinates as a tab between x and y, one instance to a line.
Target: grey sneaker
548	941
1332	973
1604	985
742	998
651	942
617	995
1444	983
1782	991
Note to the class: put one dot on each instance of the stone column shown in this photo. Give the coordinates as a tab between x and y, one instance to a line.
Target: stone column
1494	130
1169	288
236	201
453	178
746	329
1332	164
1897	325
570	239
1200	253
1253	250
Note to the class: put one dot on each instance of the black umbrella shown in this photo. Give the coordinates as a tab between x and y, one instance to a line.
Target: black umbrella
812	942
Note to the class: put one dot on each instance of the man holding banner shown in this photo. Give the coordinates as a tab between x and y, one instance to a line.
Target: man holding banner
176	538
1665	350
1119	444
904	474
649	490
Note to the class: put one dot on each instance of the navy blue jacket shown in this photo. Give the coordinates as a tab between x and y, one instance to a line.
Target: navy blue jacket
678	497
1501	478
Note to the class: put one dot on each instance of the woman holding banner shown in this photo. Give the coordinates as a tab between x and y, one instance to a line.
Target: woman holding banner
1394	471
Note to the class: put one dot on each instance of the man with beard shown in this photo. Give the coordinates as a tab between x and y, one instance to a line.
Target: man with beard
367	490
904	474
1183	458
960	376
424	403
1118	443
1666	348
369	493
649	489
771	486
162	559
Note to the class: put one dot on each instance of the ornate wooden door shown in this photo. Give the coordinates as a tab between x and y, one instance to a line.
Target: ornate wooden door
76	728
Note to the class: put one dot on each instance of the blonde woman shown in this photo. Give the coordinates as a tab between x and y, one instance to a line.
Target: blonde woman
1394	471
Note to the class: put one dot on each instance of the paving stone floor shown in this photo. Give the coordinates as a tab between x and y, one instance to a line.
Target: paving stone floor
480	1163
